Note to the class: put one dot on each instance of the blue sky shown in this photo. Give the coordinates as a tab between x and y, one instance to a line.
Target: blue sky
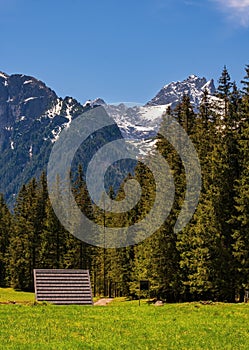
122	50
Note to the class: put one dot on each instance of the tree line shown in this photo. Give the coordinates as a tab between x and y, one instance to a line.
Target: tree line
208	259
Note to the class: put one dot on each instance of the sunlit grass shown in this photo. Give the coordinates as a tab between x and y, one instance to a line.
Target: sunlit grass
124	325
10	295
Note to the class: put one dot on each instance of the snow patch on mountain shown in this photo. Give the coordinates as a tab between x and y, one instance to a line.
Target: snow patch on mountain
55	109
65	109
27	82
29	99
137	122
21	118
56	133
31	151
4	75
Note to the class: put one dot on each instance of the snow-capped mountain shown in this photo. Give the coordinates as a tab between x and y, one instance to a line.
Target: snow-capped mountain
32	117
142	122
192	86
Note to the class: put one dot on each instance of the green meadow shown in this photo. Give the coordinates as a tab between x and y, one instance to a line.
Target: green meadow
120	325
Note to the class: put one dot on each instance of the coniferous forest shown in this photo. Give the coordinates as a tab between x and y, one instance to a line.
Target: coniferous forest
208	260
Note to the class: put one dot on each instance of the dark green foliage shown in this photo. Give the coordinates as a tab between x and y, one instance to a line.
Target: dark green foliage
245	81
5	231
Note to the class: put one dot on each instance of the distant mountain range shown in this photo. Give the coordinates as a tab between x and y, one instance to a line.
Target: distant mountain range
32	117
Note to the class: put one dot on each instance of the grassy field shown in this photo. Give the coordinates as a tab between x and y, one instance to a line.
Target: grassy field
121	325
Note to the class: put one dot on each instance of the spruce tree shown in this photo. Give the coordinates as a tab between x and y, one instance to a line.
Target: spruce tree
224	87
245	82
224	90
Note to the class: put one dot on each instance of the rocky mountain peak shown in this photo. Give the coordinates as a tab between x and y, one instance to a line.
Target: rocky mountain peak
93	103
172	93
22	97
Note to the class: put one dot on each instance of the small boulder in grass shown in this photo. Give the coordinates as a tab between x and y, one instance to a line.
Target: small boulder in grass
159	303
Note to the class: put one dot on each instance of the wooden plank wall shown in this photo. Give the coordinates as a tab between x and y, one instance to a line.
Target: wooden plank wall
63	287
